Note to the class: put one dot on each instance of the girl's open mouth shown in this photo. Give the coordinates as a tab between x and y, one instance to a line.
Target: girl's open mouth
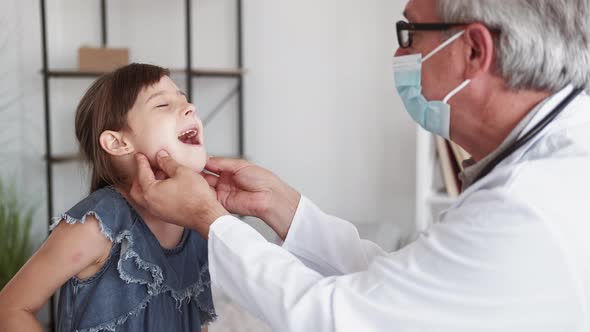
190	136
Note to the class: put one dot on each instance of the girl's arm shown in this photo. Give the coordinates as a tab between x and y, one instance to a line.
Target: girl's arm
70	250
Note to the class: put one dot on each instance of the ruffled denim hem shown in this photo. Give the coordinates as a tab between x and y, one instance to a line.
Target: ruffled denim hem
154	287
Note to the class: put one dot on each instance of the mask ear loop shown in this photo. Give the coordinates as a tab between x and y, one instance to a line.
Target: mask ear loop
440	47
443	45
455	91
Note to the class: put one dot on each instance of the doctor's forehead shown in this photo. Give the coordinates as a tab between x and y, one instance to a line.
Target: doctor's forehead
421	11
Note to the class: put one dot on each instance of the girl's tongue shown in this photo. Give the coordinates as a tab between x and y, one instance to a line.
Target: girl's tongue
190	137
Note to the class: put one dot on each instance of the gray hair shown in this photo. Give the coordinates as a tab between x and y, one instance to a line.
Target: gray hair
543	44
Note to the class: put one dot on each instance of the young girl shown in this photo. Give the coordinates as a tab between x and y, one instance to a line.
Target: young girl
119	268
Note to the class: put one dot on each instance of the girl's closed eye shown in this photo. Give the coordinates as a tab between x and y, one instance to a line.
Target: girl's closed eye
162	106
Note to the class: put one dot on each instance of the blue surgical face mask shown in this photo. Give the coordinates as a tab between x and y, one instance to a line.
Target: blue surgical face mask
434	116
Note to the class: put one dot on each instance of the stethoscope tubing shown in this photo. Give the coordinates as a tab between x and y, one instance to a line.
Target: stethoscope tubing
531	134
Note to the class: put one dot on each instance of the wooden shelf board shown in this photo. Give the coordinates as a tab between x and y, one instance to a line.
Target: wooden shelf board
440	198
73	73
64	158
198	72
68	158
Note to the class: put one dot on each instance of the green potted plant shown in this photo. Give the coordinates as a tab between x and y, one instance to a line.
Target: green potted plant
15	227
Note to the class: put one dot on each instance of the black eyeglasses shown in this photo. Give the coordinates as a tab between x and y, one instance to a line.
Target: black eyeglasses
405	35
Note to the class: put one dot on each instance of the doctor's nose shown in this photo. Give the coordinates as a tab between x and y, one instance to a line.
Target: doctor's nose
401	51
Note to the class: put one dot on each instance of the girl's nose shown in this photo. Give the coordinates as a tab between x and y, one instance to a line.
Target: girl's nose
189	110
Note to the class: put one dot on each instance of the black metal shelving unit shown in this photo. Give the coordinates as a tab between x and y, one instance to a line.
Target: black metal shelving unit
190	72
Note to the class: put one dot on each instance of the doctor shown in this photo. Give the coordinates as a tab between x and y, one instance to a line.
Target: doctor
503	79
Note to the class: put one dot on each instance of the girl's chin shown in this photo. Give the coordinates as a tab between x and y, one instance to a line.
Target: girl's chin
195	166
194	161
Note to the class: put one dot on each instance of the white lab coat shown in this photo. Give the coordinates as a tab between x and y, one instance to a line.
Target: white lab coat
512	254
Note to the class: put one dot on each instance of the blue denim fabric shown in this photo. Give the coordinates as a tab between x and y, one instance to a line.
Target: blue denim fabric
142	286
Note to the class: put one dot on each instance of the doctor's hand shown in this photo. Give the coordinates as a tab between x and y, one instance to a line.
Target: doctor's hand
247	189
184	198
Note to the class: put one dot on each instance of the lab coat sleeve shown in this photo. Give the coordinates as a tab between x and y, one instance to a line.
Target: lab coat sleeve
236	263
344	253
483	268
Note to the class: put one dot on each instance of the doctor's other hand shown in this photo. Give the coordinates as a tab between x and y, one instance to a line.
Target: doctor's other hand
250	190
184	198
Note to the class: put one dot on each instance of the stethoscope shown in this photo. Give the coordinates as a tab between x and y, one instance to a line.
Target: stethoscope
531	134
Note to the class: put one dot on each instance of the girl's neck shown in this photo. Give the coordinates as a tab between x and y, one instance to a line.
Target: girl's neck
169	235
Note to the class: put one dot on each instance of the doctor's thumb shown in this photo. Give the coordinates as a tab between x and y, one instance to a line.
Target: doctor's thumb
167	164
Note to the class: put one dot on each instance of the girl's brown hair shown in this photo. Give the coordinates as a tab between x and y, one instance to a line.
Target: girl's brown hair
104	107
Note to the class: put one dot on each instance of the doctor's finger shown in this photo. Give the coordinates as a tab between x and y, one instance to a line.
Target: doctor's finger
219	164
137	194
167	164
161	175
211	179
145	174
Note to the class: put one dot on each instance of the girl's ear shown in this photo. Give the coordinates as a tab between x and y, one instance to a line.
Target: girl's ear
115	144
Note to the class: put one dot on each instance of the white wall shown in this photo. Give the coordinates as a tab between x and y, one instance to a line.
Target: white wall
21	122
10	96
322	108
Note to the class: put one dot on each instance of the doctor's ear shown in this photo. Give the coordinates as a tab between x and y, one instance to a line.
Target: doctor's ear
479	53
115	144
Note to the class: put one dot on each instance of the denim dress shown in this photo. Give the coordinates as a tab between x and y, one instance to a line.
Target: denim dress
142	286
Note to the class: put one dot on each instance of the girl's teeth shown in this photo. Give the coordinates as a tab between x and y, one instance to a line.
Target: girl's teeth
189	133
